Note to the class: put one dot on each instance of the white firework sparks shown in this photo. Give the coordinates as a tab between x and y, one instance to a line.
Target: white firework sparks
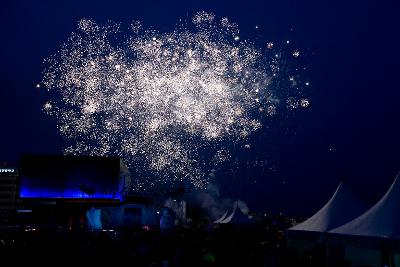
158	100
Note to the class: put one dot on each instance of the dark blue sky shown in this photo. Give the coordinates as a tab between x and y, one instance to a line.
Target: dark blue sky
351	130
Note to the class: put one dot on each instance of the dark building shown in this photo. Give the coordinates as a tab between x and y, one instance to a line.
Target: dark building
69	177
56	190
8	193
77	192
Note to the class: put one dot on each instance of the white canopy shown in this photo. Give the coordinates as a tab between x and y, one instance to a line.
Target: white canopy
382	220
341	208
222	218
237	216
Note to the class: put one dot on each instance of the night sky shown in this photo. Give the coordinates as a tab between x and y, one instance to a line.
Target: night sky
350	131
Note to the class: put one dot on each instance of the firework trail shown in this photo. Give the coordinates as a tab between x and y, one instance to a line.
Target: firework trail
167	103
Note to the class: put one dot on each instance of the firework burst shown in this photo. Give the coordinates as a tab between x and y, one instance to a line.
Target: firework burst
167	103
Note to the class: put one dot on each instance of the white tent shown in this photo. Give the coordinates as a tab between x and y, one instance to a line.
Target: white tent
341	208
310	235
382	220
227	219
375	234
237	216
222	218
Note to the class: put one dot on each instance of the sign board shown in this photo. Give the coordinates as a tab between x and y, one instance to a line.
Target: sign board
8	171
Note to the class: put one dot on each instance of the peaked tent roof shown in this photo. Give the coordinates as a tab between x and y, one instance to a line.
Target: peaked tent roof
341	208
222	218
237	216
382	220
